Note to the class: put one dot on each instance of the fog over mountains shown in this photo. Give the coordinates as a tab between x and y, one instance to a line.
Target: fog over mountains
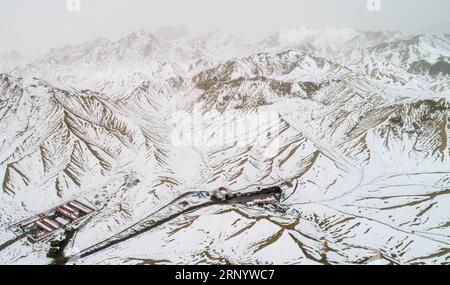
357	135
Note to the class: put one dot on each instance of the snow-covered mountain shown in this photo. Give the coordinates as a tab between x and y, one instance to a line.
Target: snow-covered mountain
326	40
353	125
117	67
385	56
10	60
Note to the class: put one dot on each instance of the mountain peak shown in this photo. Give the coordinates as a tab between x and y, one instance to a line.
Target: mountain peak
141	34
101	41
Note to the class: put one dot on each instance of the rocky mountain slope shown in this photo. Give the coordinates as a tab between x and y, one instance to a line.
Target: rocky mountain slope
354	124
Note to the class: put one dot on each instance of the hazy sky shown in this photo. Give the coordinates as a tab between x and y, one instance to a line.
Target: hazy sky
36	25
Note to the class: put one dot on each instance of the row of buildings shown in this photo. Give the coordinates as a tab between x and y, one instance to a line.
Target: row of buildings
40	226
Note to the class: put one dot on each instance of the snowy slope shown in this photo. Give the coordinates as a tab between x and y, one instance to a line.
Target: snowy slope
10	60
348	122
